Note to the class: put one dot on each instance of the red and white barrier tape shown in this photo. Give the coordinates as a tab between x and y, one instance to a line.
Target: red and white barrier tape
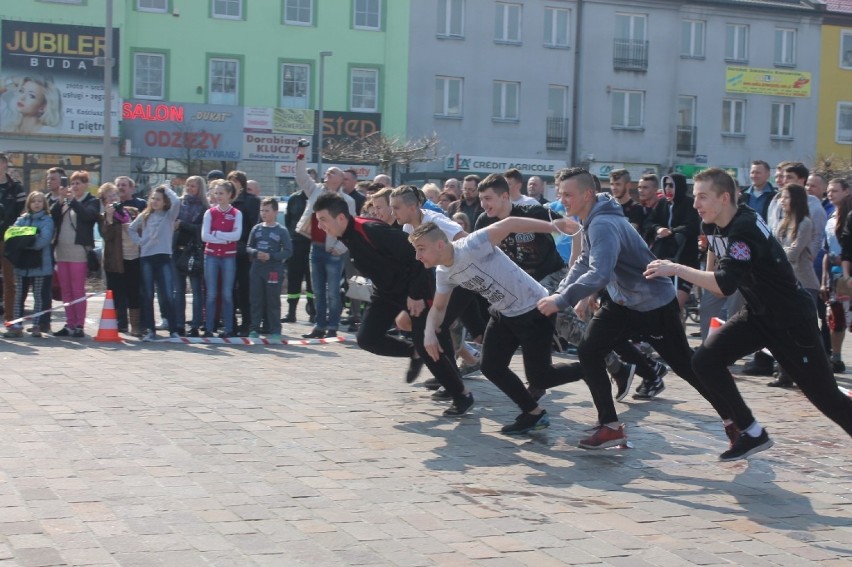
248	341
61	306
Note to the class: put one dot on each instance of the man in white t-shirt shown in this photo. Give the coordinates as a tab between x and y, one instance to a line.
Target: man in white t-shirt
515	179
476	263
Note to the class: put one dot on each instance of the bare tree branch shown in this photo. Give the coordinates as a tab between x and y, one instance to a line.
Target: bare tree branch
383	150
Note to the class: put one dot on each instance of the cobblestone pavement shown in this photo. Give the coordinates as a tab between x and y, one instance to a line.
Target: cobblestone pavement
183	455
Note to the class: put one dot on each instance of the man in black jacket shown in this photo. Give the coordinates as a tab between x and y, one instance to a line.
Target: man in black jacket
401	283
299	264
249	206
12	197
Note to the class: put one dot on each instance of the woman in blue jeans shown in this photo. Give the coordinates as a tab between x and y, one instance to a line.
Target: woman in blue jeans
220	230
193	204
153	231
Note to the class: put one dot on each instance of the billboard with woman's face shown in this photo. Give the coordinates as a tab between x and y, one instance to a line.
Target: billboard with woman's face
49	83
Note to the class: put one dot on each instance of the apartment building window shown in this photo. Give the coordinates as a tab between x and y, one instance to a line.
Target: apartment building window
229	9
844	123
63	1
630	51
224	79
556	125
687	132
450	18
507	23
506	101
692	39
149	76
736	43
152	5
367	14
846	49
295	85
364	90
785	47
448	97
733	117
628	108
556	27
299	12
781	121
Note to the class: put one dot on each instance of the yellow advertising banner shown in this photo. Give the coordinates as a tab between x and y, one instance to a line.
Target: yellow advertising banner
767	82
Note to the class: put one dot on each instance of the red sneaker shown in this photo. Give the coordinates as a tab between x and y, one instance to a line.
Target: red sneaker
603	437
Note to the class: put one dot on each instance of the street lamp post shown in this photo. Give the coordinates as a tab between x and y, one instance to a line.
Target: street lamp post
323	55
106	157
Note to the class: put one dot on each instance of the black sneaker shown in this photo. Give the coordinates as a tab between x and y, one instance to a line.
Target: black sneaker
432	384
193	333
623	380
415	365
63	332
208	335
461	406
78	333
651	389
660	369
527	422
441	395
761	365
746	445
838	367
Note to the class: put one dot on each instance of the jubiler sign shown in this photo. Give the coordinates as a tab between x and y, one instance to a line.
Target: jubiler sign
50	84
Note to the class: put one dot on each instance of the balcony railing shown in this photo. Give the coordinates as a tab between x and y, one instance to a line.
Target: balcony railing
630	55
686	140
557	133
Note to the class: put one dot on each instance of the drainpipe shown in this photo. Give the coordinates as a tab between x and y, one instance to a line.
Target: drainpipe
575	107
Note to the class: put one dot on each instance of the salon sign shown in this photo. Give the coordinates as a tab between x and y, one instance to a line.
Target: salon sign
49	83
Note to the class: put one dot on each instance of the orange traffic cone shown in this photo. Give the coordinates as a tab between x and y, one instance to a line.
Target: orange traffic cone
715	325
108	330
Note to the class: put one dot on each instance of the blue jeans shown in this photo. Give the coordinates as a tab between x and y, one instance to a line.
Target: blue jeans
326	271
213	267
156	269
179	298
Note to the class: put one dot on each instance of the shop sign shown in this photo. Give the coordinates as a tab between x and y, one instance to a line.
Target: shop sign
50	83
774	82
483	164
182	130
279	120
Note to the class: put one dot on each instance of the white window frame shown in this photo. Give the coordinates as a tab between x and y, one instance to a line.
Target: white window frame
732	51
781	118
563	112
695	32
631	31
735	104
502	23
446	19
151	8
845	42
215	14
443	94
136	67
787	56
363	71
627	96
504	113
307	86
841	108
356	12
552	31
300	7
210	81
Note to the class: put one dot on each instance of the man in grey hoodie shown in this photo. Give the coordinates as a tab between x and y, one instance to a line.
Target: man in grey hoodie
614	257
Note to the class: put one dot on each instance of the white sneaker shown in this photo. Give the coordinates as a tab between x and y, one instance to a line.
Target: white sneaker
164	325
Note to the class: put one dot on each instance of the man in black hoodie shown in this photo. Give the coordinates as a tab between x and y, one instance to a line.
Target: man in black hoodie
249	206
674	225
400	283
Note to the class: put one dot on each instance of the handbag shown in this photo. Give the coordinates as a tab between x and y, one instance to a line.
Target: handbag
93	262
17	250
190	260
360	288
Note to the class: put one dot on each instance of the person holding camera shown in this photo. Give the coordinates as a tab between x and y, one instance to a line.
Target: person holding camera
12	197
74	219
120	258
